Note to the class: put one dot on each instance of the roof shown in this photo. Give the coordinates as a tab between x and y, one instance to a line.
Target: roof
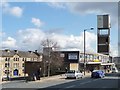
6	53
11	53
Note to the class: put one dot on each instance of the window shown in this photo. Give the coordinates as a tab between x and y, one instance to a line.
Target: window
72	56
23	70
23	65
80	56
6	71
18	59
5	59
62	55
91	57
23	59
14	59
8	59
16	65
6	64
104	32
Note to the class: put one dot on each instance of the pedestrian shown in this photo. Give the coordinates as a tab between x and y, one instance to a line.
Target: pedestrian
66	69
108	70
38	73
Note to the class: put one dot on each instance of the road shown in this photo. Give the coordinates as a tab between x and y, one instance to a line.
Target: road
109	81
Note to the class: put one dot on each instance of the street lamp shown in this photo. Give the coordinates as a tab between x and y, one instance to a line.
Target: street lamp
8	69
85	48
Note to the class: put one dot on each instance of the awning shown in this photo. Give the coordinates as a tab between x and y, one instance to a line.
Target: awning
93	62
96	60
107	63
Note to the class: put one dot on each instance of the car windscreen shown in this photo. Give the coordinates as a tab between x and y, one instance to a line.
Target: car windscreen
113	68
72	71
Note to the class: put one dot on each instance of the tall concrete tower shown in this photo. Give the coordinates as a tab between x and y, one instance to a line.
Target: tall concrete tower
103	34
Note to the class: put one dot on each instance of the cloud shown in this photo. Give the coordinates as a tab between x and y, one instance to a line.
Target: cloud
75	1
16	11
72	42
96	8
31	38
9	43
114	50
84	8
57	4
8	9
37	22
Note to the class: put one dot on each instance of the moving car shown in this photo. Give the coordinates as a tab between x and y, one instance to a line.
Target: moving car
97	74
74	74
114	70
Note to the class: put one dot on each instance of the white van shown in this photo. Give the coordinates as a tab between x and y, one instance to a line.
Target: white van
114	70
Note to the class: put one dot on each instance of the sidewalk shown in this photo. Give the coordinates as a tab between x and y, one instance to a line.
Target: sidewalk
41	79
61	76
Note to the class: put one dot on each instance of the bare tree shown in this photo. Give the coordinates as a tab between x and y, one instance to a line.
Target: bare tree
51	56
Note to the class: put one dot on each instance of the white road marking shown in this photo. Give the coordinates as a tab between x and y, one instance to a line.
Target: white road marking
111	78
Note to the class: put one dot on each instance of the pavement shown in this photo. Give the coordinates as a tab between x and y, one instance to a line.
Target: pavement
61	76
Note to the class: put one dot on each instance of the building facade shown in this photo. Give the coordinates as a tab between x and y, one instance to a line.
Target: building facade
74	60
116	60
12	62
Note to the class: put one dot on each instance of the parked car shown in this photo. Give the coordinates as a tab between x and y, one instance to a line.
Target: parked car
114	70
97	74
74	74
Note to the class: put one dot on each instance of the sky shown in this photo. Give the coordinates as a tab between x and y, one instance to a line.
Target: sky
25	24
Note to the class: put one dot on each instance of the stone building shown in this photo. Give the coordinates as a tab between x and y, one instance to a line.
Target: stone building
12	62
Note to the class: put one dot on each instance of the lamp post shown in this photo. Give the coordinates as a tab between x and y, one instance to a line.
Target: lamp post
8	69
8	66
85	48
49	62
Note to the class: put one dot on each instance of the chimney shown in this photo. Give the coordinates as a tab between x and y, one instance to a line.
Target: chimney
7	50
16	51
30	51
36	51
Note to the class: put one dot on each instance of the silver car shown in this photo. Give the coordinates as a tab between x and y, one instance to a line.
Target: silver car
74	74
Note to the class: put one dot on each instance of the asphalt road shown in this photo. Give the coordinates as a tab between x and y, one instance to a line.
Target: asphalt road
109	81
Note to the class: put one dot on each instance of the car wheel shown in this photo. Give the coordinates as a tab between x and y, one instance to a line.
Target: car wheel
77	77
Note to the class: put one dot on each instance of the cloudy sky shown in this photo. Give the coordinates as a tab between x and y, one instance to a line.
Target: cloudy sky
26	24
